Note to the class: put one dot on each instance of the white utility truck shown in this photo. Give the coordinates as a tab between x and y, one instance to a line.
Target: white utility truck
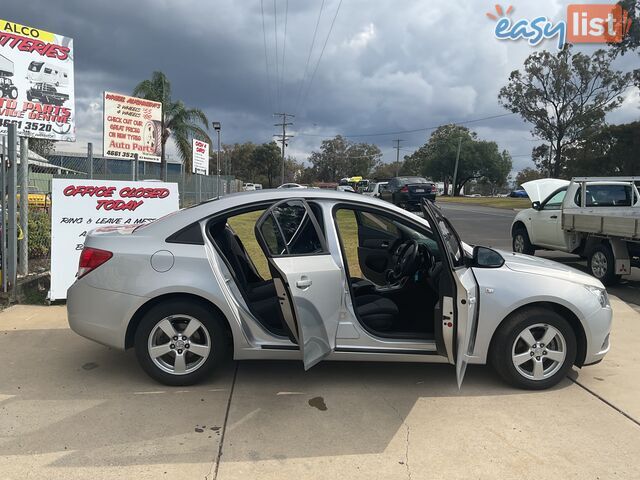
597	218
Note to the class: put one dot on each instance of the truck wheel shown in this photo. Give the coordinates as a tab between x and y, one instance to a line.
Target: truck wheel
13	93
602	264
521	242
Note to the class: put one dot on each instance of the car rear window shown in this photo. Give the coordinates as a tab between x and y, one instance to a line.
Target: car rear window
607	196
412	180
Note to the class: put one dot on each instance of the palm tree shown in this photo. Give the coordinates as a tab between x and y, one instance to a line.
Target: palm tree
178	121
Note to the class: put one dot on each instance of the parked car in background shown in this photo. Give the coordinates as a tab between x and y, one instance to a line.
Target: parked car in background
374	189
519	193
185	294
345	188
407	192
291	185
596	218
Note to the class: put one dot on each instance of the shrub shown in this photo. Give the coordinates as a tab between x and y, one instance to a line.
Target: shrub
39	234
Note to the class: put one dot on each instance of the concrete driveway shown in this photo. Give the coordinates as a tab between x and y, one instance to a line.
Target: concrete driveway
72	409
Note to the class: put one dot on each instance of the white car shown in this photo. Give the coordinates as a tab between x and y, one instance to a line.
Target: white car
291	185
603	229
325	275
373	190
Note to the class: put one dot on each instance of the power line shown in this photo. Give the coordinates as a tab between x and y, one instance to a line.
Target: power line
322	52
275	34
284	44
306	67
266	57
399	132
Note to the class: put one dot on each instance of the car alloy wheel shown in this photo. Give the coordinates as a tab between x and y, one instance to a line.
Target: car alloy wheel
179	344
539	351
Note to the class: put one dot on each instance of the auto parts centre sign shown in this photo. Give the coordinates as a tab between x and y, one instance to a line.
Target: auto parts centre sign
79	206
131	126
36	82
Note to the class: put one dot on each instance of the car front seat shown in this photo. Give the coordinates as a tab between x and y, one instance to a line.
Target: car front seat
376	312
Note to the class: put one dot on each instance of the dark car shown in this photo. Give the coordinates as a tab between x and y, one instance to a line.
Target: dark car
406	192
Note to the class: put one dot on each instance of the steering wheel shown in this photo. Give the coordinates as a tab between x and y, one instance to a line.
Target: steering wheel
406	263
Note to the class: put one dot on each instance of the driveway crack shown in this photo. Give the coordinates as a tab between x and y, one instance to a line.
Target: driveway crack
215	465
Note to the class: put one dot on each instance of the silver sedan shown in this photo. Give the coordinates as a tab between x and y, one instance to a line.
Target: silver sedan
325	275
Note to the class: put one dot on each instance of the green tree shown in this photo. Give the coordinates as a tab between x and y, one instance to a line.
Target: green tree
181	123
267	160
613	151
42	146
526	175
339	158
631	39
564	95
479	159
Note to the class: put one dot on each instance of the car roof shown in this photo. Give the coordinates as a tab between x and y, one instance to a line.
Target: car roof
182	218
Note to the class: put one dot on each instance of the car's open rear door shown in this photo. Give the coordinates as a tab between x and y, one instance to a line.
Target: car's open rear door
308	282
465	309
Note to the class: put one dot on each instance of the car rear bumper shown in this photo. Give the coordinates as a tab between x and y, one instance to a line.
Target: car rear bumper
413	199
101	315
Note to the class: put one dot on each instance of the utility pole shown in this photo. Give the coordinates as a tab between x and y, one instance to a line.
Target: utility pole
283	137
397	147
455	169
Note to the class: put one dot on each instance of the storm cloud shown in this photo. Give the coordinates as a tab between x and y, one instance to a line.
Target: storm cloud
387	67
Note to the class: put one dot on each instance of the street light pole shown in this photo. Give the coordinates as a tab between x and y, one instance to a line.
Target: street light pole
217	126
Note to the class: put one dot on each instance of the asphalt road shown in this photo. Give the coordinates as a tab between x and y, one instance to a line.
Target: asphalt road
492	226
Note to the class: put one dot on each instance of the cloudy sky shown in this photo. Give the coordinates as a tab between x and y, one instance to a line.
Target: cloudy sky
388	66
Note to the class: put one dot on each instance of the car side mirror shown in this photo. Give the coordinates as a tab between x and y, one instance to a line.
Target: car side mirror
536	205
485	257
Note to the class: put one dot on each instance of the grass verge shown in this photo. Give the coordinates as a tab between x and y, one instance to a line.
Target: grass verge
495	202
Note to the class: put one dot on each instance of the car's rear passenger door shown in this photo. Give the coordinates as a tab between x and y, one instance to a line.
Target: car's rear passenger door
308	282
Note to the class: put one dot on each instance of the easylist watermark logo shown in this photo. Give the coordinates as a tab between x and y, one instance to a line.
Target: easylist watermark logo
585	23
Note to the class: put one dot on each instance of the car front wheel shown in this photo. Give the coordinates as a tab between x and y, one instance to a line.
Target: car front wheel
534	349
521	242
180	343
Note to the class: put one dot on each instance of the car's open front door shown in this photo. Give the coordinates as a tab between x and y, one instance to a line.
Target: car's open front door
465	310
308	282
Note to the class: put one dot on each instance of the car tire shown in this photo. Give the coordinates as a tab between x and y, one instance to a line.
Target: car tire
601	264
509	347
13	93
520	242
192	367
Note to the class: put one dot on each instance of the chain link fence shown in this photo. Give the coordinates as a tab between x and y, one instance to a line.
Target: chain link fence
32	252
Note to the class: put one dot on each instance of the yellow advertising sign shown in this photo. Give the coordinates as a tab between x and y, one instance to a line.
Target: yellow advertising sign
26	31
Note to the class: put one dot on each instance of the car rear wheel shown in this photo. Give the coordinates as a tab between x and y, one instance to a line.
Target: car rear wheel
534	349
180	343
601	263
521	242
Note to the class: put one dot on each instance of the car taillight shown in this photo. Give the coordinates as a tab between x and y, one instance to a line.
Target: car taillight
404	189
90	259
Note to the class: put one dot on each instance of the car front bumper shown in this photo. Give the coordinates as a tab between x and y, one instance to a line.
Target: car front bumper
598	344
101	315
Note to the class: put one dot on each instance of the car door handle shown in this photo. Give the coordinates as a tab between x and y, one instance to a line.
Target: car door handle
304	282
384	244
553	216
